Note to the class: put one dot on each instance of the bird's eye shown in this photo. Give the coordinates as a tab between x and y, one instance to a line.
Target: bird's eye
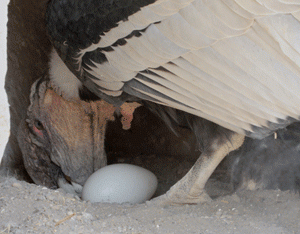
38	124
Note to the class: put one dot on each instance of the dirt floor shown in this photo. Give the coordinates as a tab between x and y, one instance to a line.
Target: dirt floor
27	208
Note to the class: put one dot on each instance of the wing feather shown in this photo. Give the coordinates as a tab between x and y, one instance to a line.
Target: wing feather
234	62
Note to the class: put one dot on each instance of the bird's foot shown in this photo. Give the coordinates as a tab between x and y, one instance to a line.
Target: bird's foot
72	188
179	197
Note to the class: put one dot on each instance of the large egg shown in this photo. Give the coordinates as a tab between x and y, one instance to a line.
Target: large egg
120	183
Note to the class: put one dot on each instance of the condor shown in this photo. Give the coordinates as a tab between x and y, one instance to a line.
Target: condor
224	68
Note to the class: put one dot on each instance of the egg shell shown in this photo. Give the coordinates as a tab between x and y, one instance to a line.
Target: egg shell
120	183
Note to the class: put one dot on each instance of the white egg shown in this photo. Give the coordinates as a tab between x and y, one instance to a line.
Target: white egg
120	183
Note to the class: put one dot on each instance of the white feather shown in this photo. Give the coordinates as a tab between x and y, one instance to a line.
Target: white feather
234	62
144	49
226	15
234	6
212	21
279	7
63	78
254	7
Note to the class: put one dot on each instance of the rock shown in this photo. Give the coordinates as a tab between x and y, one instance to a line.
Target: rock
17	185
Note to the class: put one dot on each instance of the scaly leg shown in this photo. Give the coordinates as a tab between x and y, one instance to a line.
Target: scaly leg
190	189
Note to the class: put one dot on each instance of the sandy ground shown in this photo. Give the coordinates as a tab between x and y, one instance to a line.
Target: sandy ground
27	208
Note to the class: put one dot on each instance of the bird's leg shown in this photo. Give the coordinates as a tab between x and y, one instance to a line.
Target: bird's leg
190	189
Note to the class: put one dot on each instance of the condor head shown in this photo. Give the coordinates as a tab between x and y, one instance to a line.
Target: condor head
62	141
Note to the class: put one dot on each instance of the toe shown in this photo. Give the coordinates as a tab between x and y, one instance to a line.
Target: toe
172	198
72	188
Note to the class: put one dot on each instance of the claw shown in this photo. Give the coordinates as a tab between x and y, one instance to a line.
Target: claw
72	188
176	198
